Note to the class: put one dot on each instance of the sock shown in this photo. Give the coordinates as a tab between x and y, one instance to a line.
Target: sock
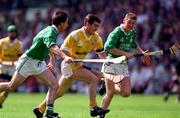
49	110
92	104
42	107
3	96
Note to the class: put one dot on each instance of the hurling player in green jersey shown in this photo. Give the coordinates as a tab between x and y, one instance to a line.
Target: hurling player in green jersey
32	61
119	42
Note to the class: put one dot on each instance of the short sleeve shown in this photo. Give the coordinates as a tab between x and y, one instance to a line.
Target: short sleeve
68	43
49	41
111	41
99	45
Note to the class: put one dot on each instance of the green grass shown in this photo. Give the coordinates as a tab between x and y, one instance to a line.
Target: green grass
76	106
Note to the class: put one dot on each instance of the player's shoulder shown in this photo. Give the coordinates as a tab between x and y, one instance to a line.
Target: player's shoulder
18	41
76	33
4	40
49	31
117	29
97	36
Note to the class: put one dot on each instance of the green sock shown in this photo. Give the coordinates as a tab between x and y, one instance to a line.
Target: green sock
49	110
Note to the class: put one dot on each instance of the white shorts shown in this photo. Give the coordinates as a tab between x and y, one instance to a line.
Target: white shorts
118	70
66	69
28	66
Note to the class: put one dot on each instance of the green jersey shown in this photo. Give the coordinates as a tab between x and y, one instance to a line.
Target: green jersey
42	42
119	39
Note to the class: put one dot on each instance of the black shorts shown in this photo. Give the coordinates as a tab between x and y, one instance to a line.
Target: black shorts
5	77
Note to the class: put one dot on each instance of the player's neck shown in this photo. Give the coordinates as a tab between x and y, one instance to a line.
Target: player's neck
125	29
88	34
11	40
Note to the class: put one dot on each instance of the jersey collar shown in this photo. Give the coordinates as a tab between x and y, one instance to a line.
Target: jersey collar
55	28
124	30
15	40
85	33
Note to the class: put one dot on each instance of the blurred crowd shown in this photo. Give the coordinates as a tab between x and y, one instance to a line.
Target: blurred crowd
158	27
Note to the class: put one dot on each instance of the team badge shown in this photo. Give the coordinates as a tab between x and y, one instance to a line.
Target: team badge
80	43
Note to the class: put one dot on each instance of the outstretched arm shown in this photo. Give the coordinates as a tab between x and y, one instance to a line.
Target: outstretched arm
120	53
55	49
52	60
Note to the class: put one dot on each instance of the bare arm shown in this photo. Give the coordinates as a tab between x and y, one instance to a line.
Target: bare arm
56	50
120	52
52	60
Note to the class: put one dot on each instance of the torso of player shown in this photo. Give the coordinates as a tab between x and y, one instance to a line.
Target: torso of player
126	40
10	51
42	42
79	45
119	39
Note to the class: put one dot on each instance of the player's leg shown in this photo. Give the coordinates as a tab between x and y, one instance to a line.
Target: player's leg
64	85
16	80
48	78
110	91
124	87
100	75
4	94
86	75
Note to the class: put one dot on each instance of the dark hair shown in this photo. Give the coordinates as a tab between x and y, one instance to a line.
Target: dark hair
59	17
91	18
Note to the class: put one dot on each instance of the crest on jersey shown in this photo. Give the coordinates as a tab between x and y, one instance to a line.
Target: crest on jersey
121	40
80	43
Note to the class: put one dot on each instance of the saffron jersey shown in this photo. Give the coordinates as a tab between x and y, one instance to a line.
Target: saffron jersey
79	45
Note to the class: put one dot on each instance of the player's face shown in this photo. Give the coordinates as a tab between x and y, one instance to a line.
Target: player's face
129	24
93	27
65	24
12	35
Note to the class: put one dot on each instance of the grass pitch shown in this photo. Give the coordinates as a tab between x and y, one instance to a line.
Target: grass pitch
76	106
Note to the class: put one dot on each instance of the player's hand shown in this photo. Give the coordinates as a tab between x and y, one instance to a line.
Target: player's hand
68	59
147	60
51	66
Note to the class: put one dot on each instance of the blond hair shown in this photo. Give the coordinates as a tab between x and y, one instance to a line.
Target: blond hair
130	15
